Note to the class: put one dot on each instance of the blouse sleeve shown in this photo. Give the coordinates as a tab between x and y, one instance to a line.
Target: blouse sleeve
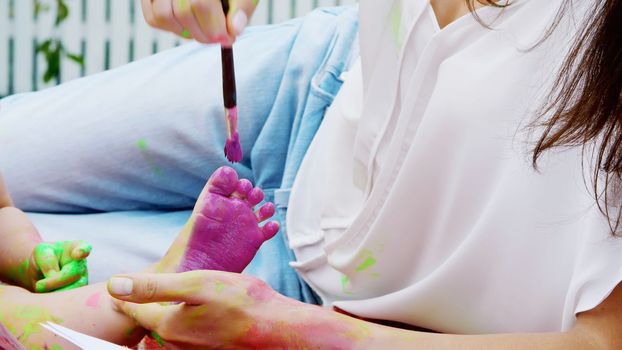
598	268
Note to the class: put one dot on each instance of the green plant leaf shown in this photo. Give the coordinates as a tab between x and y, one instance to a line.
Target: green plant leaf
40	8
79	59
53	49
44	46
53	58
62	12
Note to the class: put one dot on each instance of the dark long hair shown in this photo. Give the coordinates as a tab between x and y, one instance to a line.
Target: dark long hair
585	107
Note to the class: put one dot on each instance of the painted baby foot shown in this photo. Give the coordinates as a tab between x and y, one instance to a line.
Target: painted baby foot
223	232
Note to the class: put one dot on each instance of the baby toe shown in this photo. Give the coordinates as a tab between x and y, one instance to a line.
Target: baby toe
255	196
265	212
270	229
242	189
223	181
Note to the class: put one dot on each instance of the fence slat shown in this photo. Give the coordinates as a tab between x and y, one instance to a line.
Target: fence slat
261	13
43	31
303	7
24	53
119	34
96	36
72	32
165	40
6	32
326	3
144	36
281	11
109	33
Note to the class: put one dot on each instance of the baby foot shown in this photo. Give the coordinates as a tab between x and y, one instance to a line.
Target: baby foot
223	232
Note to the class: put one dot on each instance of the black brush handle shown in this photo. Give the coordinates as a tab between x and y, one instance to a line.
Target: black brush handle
228	71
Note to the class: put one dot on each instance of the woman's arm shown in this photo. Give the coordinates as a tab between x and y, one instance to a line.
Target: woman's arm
240	311
88	310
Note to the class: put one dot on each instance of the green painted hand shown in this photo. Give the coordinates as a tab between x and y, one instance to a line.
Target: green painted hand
61	265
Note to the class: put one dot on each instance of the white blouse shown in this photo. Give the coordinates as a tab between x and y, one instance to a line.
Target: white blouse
417	201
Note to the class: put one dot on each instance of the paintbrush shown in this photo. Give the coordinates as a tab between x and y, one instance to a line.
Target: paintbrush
233	149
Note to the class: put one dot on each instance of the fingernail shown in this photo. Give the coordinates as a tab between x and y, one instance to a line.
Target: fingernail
86	250
239	21
121	286
82	251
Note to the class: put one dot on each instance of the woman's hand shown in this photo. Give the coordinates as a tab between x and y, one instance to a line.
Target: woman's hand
203	20
218	310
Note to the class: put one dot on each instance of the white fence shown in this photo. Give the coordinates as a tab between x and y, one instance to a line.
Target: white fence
107	33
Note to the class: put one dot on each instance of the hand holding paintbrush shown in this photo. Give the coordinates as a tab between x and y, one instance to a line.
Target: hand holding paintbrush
197	20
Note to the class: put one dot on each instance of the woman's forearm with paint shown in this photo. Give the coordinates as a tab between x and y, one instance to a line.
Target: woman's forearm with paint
232	311
87	310
242	312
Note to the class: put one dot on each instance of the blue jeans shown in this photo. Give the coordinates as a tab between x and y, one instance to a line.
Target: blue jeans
146	136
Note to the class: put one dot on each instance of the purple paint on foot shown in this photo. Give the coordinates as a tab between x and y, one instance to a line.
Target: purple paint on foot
226	233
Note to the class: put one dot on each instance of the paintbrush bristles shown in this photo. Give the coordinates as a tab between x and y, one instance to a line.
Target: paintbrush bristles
233	148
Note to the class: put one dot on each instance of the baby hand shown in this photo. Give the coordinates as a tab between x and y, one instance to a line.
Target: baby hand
61	265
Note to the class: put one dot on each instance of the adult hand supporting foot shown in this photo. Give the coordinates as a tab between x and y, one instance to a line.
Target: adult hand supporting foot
222	310
228	310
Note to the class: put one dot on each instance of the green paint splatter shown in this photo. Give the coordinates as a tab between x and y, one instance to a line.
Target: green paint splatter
158	339
34	316
67	273
185	33
219	286
345	285
183	4
396	25
255	2
56	347
369	262
23	267
142	144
